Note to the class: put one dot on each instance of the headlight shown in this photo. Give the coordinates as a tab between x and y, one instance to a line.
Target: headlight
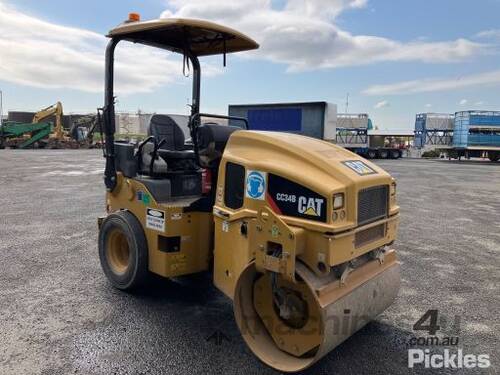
338	201
393	188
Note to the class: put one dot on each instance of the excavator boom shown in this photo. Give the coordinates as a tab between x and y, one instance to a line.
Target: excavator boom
53	110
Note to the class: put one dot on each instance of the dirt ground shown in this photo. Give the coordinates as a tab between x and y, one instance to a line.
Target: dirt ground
59	315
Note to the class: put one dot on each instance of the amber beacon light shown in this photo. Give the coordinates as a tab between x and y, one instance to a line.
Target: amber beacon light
134	17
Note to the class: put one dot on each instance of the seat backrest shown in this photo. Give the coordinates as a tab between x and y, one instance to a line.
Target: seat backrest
212	140
165	127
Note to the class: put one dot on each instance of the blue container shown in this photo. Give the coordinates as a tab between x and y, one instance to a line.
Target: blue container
276	119
476	128
306	118
420	122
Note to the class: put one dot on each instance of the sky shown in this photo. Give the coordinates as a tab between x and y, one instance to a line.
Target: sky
393	59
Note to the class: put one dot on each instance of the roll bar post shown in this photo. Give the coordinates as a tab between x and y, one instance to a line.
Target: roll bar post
108	110
109	116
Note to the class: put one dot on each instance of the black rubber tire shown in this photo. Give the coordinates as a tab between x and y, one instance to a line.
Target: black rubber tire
136	273
395	154
372	154
493	156
383	154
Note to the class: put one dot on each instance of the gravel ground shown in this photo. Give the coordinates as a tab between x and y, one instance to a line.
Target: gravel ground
58	314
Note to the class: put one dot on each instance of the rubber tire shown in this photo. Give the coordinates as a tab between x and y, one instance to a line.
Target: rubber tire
137	273
395	154
383	154
493	156
372	154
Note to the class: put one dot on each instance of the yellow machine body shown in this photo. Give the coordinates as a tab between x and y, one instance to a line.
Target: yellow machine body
325	255
194	229
314	164
298	230
318	166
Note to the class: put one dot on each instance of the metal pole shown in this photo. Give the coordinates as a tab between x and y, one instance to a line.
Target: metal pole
109	117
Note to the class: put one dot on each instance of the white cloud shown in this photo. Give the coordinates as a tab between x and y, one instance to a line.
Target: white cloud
491	78
428	105
303	34
479	103
381	104
42	54
463	102
491	33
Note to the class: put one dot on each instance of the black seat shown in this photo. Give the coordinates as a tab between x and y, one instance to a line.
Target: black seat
212	140
174	151
165	127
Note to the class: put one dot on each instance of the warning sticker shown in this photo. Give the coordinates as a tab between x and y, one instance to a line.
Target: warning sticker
143	197
155	219
256	185
359	167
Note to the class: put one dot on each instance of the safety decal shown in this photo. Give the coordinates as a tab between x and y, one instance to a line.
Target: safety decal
143	197
155	219
289	198
359	167
255	185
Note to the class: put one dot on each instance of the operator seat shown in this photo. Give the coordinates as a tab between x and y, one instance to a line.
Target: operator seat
212	140
176	154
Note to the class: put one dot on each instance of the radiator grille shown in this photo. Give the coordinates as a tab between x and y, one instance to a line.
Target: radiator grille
369	235
372	204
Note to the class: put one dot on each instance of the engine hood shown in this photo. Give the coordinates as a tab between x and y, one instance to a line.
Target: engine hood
320	165
298	177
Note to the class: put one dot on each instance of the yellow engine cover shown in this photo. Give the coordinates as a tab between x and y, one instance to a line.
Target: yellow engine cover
296	177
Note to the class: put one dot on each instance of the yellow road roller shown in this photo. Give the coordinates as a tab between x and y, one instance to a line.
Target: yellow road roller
297	231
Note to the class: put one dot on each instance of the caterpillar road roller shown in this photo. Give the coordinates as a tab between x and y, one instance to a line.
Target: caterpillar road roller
296	231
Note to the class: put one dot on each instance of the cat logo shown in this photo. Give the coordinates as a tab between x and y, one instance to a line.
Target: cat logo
310	206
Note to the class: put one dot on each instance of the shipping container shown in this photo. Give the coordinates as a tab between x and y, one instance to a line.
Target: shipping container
313	119
433	130
355	133
477	134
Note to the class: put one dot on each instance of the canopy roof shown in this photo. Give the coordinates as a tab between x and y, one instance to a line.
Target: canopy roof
177	34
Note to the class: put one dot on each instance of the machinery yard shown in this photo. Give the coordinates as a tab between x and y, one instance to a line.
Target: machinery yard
60	315
323	199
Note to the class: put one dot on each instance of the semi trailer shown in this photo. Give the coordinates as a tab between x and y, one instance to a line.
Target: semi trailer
477	134
471	133
353	133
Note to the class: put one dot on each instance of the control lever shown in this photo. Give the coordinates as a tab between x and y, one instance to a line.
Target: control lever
139	150
154	156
